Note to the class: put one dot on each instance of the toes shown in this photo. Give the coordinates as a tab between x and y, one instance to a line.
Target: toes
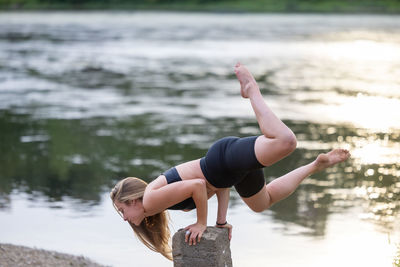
345	151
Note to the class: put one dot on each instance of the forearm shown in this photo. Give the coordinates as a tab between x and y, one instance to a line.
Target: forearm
200	199
223	202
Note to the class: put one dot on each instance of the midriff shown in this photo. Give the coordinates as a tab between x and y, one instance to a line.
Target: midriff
192	170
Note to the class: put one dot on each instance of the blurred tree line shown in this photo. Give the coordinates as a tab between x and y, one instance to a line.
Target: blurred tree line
355	6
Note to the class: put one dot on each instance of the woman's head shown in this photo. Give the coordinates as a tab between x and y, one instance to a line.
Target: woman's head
127	198
128	189
153	231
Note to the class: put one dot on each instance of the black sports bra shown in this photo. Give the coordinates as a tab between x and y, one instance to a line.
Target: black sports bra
172	176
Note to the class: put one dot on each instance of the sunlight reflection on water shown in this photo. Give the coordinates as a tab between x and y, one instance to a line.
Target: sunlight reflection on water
82	98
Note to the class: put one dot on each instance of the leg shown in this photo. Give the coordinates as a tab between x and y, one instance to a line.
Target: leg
277	140
284	186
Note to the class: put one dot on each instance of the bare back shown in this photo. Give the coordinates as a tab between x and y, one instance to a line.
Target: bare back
187	171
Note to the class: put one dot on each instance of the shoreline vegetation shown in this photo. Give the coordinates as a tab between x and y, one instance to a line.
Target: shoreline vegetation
14	256
273	6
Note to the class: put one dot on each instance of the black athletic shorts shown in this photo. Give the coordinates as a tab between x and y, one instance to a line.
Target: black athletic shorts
231	161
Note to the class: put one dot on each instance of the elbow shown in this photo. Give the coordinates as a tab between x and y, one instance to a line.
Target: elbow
199	183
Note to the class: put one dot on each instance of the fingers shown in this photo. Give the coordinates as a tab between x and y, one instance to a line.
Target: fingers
193	240
187	235
191	237
199	237
193	232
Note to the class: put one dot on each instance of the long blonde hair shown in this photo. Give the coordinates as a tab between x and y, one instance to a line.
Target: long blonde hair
153	231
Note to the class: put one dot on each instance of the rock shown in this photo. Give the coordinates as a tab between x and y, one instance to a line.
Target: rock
212	250
20	256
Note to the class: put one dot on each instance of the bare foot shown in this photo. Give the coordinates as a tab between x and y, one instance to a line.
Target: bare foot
247	81
335	156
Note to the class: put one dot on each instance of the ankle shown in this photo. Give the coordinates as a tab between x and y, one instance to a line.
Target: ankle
253	90
313	167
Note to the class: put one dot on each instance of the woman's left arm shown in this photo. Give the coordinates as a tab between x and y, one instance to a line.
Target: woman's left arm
223	203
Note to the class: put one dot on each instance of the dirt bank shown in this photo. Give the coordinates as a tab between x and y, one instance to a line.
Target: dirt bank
16	256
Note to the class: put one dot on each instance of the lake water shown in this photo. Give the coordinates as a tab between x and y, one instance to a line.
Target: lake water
87	98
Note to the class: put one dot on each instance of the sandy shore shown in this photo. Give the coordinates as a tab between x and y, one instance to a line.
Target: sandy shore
16	256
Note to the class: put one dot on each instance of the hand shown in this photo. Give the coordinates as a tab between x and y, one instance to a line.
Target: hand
229	226
193	231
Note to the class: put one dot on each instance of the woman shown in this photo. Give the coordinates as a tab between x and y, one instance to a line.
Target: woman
231	161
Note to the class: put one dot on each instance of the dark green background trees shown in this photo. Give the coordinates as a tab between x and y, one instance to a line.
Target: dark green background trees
336	6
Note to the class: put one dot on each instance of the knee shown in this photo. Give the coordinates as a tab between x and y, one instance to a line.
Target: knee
289	142
259	208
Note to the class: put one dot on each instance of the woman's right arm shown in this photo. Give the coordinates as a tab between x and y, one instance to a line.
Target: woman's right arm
158	197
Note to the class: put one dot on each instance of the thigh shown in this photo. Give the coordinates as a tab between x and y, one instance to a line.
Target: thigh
260	201
268	150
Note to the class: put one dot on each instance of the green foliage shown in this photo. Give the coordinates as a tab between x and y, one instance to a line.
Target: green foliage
371	6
